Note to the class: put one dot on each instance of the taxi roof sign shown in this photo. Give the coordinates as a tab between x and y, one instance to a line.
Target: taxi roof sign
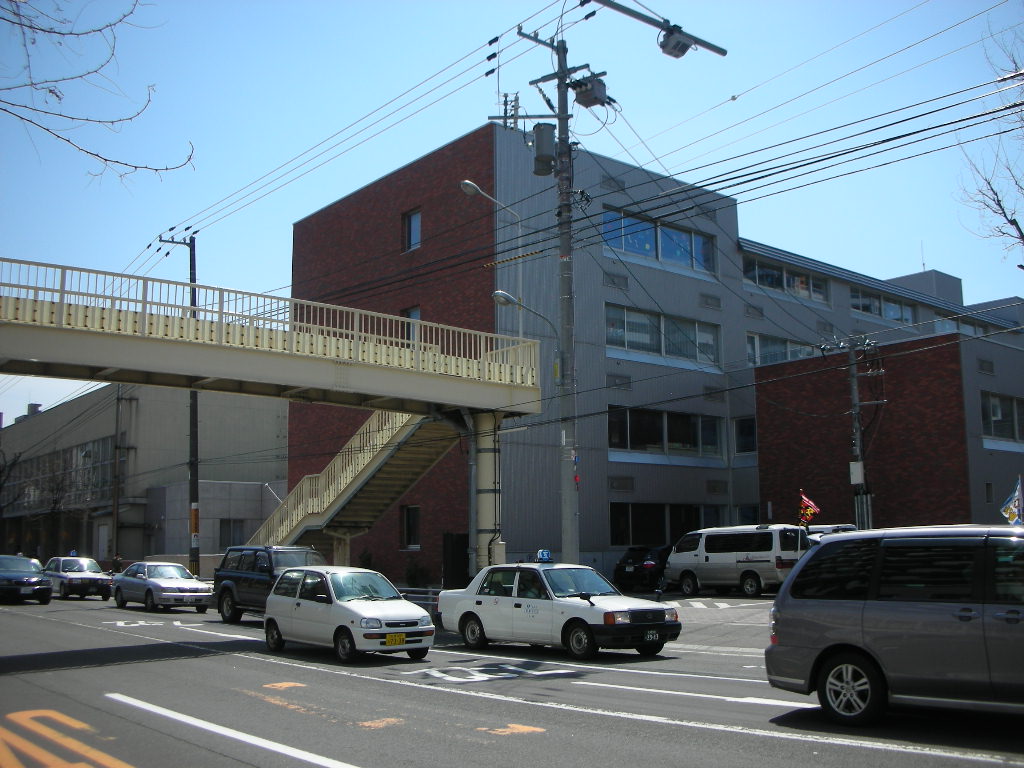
544	556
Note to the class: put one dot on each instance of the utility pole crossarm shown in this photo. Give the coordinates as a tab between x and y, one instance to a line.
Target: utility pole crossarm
664	25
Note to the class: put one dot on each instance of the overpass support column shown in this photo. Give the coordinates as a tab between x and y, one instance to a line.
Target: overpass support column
490	548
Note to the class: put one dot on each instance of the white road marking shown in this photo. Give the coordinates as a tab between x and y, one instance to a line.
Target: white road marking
735	699
220	730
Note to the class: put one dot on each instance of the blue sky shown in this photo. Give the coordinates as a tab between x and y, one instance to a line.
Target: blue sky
253	84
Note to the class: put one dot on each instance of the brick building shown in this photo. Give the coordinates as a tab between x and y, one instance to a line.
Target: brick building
675	313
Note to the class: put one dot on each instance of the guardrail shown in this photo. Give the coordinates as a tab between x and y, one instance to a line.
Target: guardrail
70	297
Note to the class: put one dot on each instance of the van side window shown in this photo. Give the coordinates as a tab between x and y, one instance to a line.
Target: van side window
790	540
760	542
1007	585
719	542
688	543
929	570
840	571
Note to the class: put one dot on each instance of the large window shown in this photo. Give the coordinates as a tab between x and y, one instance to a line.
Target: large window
766	274
932	570
765	350
650	332
881	306
1002	416
651	431
652	525
959	325
745	431
657	240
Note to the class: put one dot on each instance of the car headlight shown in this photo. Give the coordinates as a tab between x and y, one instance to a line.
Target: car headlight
370	623
671	614
425	621
616	617
169	589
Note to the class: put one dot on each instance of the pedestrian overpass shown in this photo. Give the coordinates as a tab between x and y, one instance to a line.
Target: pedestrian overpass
425	383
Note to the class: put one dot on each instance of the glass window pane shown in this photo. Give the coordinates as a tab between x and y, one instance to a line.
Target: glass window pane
648	524
703	253
1008	570
638	236
612	226
769	276
752	348
615	326
619	523
643	331
746	435
645	430
773	350
937	570
819	289
710	436
707	343
618	427
796	350
679	338
798	284
675	246
683	433
839	572
750	270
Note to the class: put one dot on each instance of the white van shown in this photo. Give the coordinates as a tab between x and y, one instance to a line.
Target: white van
750	557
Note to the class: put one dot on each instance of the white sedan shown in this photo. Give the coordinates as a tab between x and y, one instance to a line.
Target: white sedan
161	585
557	604
353	610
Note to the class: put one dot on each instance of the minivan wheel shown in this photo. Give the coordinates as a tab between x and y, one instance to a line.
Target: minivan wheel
851	689
688	585
750	584
229	612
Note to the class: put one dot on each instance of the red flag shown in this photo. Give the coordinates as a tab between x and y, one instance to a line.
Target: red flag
808	509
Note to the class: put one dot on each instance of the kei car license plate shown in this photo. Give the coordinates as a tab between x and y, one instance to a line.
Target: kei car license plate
394	638
629	569
650	635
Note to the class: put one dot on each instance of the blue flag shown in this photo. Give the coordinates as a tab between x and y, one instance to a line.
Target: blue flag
1012	507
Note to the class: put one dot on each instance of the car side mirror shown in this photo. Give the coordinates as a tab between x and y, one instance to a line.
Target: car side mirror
326	599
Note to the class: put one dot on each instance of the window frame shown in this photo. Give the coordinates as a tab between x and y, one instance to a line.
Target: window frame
412	230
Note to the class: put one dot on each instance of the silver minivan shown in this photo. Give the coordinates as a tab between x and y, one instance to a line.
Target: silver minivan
751	558
928	616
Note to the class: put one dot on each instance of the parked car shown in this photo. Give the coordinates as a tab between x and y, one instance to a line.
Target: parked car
928	616
22	578
641	568
547	603
161	585
247	573
353	610
752	558
80	576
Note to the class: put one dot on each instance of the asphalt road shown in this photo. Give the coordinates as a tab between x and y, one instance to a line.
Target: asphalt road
84	683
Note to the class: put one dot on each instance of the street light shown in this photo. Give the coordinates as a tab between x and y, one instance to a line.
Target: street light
471	188
506	299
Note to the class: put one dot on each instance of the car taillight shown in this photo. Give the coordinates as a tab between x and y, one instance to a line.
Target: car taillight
649	564
781	562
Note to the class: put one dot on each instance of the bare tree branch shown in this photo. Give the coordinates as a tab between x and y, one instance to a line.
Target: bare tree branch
41	27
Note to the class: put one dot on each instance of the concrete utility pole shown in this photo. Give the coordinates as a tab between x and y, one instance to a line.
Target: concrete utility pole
675	43
858	478
193	422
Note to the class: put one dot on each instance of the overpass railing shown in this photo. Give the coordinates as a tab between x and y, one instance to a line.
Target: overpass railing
84	299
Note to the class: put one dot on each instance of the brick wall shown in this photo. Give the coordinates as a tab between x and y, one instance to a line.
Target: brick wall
350	253
914	445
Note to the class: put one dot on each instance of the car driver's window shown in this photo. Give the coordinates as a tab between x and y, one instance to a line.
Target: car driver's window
313	586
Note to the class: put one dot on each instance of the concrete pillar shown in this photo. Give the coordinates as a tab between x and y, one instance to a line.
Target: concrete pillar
342	550
490	548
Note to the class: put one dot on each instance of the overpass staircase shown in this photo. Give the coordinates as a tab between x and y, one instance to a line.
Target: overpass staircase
383	460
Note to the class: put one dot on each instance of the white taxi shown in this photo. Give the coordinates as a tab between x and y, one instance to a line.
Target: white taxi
547	603
353	610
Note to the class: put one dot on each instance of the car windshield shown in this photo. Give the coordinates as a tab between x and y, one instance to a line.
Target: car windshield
572	582
363	586
81	565
169	572
298	557
14	563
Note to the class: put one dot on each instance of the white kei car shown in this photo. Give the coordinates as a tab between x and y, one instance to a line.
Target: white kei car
353	610
546	603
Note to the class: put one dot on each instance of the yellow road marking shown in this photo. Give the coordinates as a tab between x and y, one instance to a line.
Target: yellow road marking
384	722
281	686
31	720
512	728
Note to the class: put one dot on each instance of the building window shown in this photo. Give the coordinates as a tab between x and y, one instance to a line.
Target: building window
656	240
765	350
232	533
959	325
745	431
1002	416
666	335
410	230
410	527
792	281
410	330
652	525
651	431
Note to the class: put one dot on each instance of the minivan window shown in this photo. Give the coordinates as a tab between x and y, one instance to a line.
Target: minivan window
1007	570
839	570
791	541
929	570
688	543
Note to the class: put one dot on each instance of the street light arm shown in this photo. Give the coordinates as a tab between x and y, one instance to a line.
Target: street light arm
663	24
506	299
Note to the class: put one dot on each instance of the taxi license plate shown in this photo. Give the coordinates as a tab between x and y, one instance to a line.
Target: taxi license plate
651	635
394	638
